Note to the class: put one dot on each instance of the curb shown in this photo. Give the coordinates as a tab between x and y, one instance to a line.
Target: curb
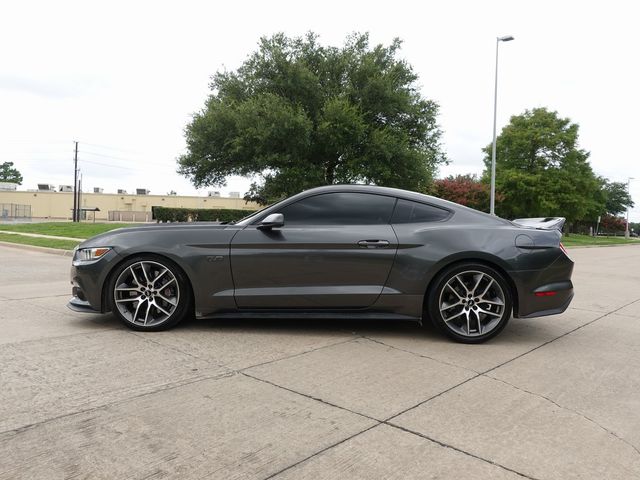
34	248
39	235
572	247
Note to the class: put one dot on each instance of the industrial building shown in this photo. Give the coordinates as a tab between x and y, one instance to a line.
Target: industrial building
53	203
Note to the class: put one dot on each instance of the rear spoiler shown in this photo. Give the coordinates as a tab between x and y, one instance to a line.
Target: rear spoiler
547	223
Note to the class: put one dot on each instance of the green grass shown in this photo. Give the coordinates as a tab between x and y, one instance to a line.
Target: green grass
575	240
39	242
65	229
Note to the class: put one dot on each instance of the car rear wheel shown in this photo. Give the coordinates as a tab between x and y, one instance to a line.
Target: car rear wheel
470	302
149	293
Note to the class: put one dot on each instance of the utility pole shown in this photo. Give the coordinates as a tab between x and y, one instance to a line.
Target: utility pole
626	231
79	198
75	185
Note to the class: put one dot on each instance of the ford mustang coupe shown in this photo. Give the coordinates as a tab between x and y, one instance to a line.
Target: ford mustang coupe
337	251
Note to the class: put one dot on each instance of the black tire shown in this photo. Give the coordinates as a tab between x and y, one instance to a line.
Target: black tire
468	317
167	301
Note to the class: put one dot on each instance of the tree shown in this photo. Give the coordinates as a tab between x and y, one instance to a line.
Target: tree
10	174
297	114
617	197
463	189
541	171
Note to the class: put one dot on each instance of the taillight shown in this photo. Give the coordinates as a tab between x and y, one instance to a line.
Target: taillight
545	294
564	250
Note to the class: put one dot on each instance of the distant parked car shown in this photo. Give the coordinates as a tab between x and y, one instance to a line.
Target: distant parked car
337	251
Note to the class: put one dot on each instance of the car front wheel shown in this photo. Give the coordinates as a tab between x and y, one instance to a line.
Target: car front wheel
149	293
470	302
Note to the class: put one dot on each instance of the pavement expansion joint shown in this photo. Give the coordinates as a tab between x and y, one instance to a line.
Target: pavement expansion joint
320	452
299	354
311	397
575	412
421	355
162	388
446	445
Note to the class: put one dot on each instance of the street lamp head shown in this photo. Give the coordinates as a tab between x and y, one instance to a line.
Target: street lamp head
508	38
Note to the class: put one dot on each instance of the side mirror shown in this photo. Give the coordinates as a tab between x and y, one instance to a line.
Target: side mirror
271	221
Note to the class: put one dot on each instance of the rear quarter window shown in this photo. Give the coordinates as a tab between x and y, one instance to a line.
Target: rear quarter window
407	211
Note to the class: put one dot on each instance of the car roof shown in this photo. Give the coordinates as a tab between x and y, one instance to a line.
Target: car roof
406	194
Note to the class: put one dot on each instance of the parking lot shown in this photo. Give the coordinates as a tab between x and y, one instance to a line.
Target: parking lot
550	398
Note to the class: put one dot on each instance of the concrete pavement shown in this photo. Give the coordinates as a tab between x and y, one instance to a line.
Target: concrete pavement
550	398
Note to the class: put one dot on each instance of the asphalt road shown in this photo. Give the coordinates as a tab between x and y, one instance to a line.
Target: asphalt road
550	398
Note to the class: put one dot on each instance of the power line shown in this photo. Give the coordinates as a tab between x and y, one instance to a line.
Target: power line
108	148
124	159
109	165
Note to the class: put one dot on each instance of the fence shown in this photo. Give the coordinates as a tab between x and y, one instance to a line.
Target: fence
129	216
14	210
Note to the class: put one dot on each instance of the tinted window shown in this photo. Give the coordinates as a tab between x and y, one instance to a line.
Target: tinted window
414	212
339	209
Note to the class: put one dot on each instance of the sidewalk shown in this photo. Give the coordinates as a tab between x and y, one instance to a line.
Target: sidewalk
38	235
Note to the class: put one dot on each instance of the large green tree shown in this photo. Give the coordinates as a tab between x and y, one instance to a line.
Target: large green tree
541	171
617	197
10	174
297	114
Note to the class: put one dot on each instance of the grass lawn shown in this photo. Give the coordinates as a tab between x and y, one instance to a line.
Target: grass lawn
40	242
65	229
575	240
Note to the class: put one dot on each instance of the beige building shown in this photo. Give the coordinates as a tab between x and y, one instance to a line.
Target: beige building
118	207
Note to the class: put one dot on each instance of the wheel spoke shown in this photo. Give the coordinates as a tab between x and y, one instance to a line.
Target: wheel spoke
135	314
480	277
479	324
132	299
127	289
468	321
455	316
453	290
462	283
135	278
159	277
499	302
146	315
487	312
170	302
161	309
487	288
144	272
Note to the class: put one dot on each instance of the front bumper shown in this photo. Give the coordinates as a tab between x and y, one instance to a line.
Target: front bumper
83	306
87	282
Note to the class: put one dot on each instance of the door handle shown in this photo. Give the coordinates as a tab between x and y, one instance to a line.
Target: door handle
373	243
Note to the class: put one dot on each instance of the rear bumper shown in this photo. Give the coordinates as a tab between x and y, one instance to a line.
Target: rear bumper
544	292
551	311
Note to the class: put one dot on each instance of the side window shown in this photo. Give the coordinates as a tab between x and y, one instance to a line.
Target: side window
340	209
414	212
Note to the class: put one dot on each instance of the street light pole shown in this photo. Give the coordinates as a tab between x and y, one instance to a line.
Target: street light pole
626	231
492	208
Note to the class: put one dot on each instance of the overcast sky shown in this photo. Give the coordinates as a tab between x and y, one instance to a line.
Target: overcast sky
123	78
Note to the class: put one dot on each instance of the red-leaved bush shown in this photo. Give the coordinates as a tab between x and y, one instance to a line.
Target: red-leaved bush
463	189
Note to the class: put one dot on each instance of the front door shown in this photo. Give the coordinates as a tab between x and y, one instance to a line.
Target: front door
335	250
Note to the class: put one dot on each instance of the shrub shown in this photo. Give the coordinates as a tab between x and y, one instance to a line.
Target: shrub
167	214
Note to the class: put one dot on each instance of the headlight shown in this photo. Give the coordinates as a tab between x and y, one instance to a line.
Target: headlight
88	255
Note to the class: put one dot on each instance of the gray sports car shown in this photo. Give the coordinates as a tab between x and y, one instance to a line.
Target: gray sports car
332	252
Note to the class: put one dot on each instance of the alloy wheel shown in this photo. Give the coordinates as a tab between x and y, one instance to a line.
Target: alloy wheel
146	293
472	303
